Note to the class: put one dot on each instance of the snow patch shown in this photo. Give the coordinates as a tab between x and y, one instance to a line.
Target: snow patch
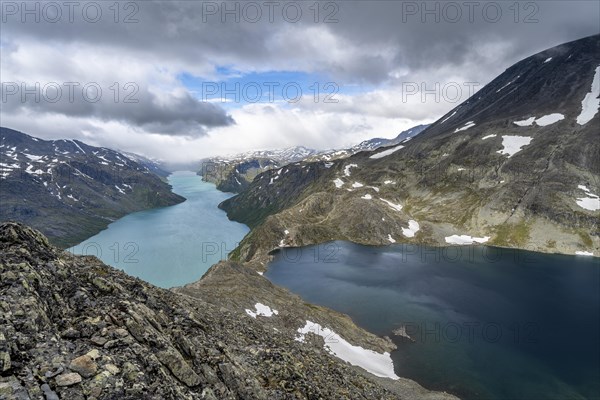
465	239
591	102
262	310
379	364
468	125
548	60
367	197
487	137
386	152
525	122
347	168
589	203
446	119
512	144
542	121
32	157
549	119
338	183
413	227
584	253
394	206
357	185
391	239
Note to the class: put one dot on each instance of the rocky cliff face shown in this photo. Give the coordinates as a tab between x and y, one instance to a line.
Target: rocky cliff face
517	165
70	190
73	328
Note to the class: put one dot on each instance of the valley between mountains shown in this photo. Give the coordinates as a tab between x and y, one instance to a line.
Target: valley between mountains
515	166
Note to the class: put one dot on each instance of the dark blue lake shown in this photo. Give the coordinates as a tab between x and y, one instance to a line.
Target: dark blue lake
488	323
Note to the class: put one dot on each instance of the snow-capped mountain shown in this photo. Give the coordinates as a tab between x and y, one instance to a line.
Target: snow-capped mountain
69	189
234	173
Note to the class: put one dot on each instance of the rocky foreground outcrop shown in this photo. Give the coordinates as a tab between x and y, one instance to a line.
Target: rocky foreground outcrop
74	328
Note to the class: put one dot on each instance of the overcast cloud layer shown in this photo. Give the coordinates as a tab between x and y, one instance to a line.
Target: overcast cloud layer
373	53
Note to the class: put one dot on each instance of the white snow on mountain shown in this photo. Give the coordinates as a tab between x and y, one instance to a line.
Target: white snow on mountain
379	364
386	152
591	102
513	144
468	125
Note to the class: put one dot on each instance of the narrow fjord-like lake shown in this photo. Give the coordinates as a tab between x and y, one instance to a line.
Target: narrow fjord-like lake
170	246
487	323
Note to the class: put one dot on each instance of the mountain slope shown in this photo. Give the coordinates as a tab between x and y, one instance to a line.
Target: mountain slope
70	190
74	328
234	174
516	165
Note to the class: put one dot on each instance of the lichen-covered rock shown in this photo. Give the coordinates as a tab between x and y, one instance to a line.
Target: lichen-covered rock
69	379
84	365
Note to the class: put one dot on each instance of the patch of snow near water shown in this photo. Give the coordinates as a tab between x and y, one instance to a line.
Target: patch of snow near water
512	144
262	310
468	125
391	239
584	253
413	227
591	102
465	239
379	364
386	152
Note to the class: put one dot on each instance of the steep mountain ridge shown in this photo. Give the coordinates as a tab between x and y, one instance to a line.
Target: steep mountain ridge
516	165
73	328
71	190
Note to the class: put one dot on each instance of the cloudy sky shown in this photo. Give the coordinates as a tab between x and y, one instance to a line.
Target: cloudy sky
182	80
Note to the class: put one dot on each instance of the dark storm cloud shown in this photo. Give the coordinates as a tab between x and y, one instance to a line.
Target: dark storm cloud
370	42
413	34
180	114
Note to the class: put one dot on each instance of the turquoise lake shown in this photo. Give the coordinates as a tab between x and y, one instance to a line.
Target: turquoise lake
488	323
170	246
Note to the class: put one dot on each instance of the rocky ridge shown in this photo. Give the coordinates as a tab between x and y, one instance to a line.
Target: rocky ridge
74	328
71	190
